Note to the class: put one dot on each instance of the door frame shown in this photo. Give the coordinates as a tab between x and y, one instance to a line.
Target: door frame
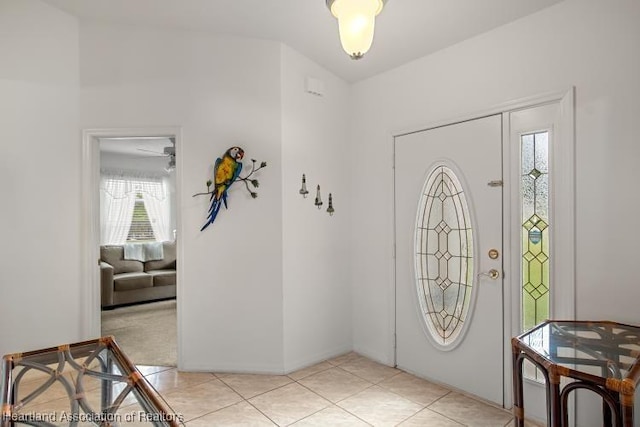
90	297
563	153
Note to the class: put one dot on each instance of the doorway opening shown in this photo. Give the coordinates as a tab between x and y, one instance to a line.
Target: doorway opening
131	199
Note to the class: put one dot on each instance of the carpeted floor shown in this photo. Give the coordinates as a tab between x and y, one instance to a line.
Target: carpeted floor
146	332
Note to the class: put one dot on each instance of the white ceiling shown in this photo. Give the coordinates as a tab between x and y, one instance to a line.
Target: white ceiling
405	30
137	147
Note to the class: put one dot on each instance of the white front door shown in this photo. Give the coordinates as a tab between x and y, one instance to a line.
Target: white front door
449	268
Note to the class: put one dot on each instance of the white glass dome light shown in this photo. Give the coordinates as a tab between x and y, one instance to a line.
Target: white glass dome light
356	21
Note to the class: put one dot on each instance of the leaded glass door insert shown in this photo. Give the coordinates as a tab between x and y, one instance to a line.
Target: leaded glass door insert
444	256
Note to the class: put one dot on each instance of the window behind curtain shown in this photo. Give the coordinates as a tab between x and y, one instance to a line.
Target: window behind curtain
133	207
140	229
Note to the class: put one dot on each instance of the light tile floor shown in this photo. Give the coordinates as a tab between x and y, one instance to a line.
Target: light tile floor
349	390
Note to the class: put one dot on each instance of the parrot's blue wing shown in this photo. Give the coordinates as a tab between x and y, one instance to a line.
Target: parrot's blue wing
215	202
237	172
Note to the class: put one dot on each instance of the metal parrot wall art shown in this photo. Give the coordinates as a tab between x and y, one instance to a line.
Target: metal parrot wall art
226	171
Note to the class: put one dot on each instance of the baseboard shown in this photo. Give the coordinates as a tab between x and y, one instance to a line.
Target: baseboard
234	369
373	355
316	358
129	304
268	369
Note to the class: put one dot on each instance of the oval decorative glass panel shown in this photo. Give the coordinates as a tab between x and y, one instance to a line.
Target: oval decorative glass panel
444	256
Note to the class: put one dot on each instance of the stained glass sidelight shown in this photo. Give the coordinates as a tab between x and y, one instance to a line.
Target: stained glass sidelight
535	228
444	256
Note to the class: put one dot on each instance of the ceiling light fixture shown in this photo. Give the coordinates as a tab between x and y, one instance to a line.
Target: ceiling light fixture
356	21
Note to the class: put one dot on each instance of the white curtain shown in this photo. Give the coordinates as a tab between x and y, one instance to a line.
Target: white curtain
156	201
116	210
118	192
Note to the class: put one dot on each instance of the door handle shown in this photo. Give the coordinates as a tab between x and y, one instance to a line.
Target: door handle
492	274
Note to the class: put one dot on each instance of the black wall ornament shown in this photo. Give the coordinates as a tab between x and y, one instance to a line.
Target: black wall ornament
318	199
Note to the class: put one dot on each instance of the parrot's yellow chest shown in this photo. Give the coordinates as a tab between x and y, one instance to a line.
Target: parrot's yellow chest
225	170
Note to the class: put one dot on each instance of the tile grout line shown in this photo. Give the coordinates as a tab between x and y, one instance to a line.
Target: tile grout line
297	381
339	366
265	415
261	393
330	365
336	403
422	406
180	390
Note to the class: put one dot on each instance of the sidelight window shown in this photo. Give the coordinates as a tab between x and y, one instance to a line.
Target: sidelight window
535	231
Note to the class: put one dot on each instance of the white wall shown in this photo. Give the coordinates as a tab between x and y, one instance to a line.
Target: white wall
590	44
317	292
222	92
39	177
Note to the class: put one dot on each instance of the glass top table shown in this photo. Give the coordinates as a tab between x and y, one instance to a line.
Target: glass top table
91	383
603	357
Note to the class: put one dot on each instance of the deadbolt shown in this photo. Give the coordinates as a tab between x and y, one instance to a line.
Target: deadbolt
494	254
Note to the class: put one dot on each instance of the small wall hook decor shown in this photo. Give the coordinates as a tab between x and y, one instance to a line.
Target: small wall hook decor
330	209
303	189
318	201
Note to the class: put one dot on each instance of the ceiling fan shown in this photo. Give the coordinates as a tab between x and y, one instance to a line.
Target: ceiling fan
168	151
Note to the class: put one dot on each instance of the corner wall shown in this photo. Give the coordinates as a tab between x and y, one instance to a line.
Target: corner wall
316	288
39	177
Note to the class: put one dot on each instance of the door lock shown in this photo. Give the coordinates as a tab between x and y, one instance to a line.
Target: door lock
492	274
494	253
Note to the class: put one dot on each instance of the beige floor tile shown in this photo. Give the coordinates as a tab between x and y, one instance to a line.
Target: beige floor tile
331	416
302	373
240	414
51	410
527	423
414	388
250	385
166	381
426	417
369	370
201	399
289	404
469	411
92	397
205	399
380	407
58	413
344	358
35	379
31	374
150	370
335	384
52	392
134	416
